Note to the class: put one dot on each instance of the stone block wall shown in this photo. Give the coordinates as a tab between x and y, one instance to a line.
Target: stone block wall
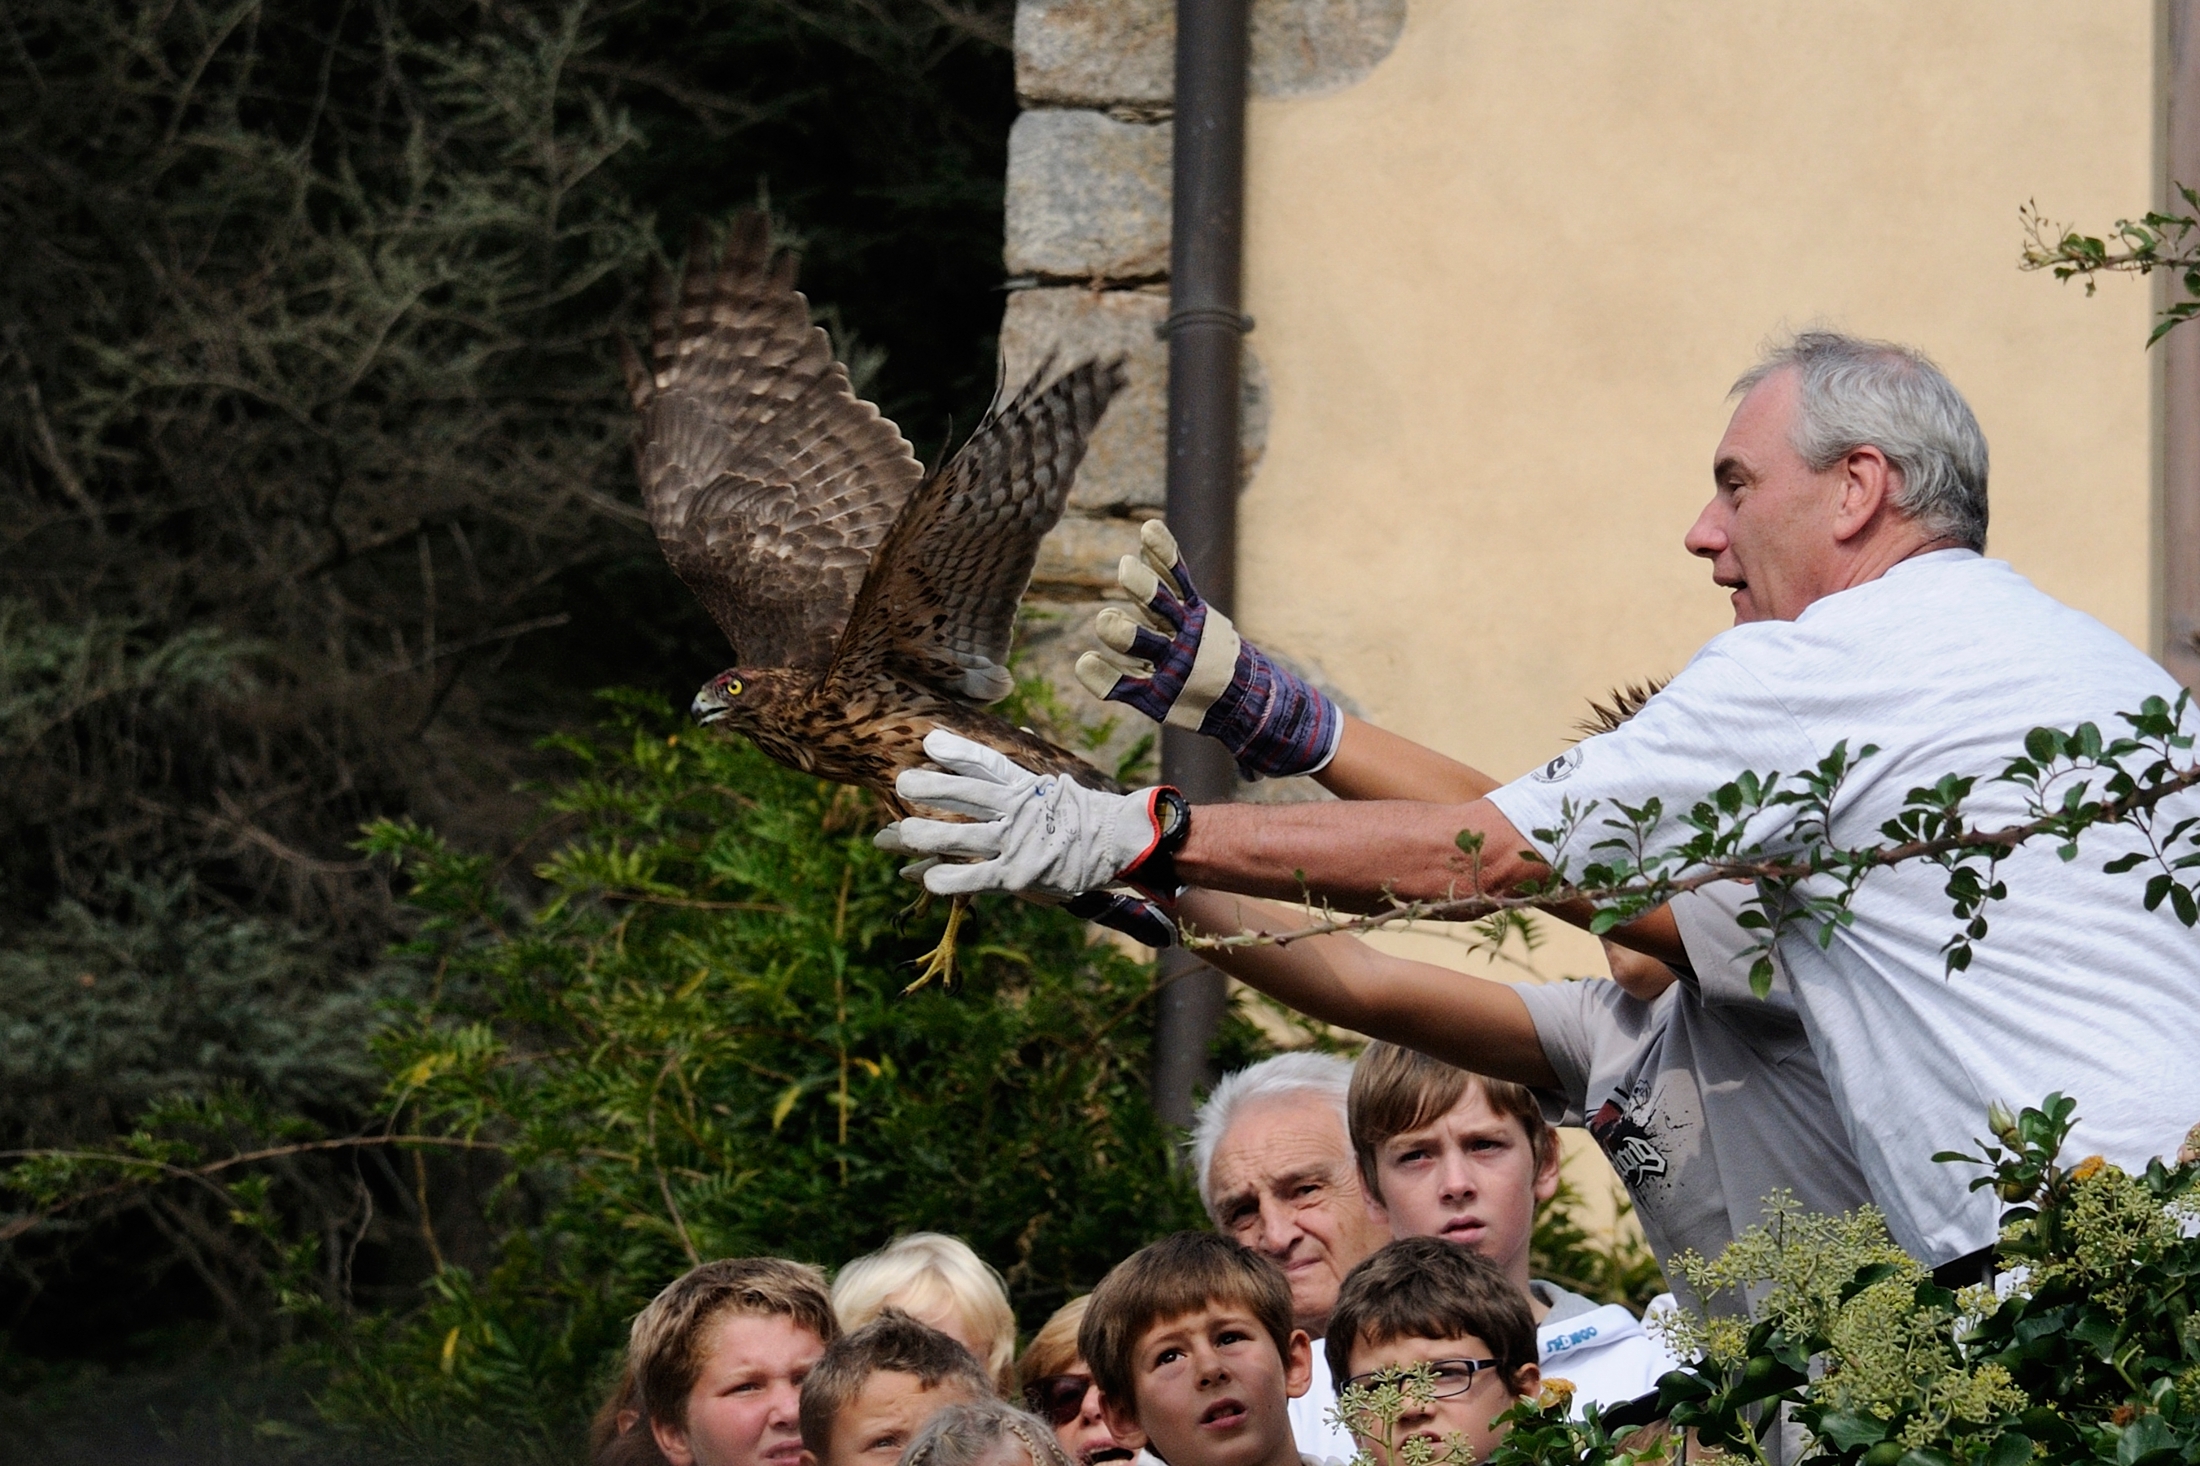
1087	255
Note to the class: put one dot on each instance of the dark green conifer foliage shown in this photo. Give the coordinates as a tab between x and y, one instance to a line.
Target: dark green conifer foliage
314	460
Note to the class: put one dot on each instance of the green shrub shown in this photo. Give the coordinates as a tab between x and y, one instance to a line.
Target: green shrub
2091	1352
697	1045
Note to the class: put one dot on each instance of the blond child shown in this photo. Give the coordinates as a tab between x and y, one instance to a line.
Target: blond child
937	1280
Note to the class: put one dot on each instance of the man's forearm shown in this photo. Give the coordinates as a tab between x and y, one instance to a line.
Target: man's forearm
1357	856
1371	763
1468	1021
1353	854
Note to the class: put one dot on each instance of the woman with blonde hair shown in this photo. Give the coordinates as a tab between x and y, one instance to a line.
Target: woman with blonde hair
1058	1388
937	1280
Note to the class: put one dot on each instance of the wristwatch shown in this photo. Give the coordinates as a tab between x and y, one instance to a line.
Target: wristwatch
1155	874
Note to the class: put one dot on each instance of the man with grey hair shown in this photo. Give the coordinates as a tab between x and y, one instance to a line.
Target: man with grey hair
1274	1165
1847	522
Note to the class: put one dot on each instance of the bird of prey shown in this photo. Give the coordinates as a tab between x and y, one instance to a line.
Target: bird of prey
868	602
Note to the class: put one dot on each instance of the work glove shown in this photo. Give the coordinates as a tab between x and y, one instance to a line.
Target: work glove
1027	832
1179	661
1141	920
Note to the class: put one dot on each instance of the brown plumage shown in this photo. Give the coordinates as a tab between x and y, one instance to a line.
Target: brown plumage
867	602
1626	702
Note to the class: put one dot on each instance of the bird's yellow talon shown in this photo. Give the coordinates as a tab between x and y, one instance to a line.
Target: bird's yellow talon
940	961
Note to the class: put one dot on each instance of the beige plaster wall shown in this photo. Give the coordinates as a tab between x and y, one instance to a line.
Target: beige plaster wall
1502	284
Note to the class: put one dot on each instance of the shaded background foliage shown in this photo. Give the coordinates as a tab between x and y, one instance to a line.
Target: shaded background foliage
320	507
320	514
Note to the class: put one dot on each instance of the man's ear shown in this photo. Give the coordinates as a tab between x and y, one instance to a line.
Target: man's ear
1868	483
1298	1364
1122	1424
672	1443
1526	1380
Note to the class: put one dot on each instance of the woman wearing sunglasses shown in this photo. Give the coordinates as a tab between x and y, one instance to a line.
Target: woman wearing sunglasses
1058	1388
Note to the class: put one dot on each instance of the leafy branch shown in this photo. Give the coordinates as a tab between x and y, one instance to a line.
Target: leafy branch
63	1178
2153	241
2072	782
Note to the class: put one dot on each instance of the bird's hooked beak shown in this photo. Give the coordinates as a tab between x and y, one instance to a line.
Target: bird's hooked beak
714	701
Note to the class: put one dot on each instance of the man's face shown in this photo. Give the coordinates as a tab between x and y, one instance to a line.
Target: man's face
1212	1390
1471	1413
1470	1177
1769	530
1285	1185
743	1409
886	1414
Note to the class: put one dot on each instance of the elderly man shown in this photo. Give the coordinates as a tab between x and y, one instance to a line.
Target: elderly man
1847	521
1276	1172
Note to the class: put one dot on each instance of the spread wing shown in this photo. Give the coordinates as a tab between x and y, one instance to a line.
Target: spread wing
941	597
768	481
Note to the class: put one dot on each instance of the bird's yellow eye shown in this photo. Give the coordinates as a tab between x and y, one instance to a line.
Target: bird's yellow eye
733	687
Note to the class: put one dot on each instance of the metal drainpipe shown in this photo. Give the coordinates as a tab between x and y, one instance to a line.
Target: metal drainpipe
1204	330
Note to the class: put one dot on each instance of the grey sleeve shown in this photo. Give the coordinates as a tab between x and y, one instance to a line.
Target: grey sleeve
1566	1017
1721	952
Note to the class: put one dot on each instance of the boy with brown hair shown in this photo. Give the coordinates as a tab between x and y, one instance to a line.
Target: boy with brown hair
1466	1159
716	1362
1421	1303
1191	1344
876	1387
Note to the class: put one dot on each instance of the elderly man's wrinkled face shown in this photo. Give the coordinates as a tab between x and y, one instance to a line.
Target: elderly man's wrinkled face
1285	1185
1769	530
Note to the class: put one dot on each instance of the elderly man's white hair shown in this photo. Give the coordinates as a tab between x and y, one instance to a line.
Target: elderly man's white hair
1853	392
1286	1074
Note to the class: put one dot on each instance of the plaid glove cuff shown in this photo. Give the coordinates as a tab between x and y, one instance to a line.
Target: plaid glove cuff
1276	725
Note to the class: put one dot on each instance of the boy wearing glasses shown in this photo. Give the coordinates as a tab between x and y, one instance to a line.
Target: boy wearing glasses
1426	1303
1191	1344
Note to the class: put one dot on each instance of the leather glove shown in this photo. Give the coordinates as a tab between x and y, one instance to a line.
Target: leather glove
1179	661
1142	920
1029	832
1135	917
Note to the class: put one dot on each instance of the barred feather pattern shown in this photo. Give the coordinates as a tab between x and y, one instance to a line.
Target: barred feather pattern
770	484
867	603
1626	702
941	597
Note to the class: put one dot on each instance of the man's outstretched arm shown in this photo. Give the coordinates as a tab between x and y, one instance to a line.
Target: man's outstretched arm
1468	1021
1357	855
1372	763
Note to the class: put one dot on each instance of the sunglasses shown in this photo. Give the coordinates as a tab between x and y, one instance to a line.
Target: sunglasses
1447	1377
1057	1398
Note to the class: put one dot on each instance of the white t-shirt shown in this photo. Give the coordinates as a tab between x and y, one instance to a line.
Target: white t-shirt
1705	1099
1945	662
1320	1439
1603	1351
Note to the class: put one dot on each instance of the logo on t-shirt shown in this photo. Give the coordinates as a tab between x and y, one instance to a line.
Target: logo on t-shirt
1628	1144
1559	768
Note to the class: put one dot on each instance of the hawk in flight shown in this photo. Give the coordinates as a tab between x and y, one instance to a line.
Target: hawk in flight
867	601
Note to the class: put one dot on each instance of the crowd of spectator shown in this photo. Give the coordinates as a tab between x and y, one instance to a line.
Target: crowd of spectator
1367	1216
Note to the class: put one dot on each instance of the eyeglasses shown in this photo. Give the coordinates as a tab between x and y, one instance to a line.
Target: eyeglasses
1057	1398
1447	1377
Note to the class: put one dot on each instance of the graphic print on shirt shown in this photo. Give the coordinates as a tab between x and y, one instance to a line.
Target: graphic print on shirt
1627	1127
